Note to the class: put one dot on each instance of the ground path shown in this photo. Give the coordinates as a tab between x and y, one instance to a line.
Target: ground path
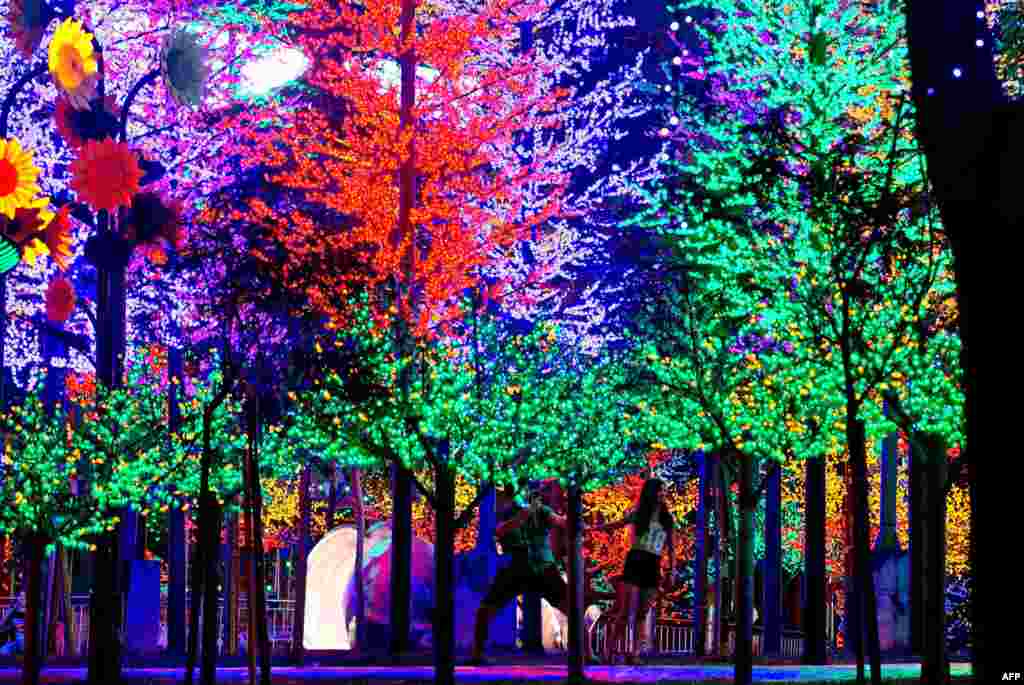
515	673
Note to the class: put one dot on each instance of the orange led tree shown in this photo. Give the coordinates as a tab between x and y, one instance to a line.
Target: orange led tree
427	160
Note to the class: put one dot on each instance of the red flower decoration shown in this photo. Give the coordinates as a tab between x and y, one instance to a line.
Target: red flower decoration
106	174
60	300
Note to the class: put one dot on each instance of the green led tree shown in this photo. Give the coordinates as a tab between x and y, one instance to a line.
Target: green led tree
476	404
725	388
66	477
804	164
217	438
591	434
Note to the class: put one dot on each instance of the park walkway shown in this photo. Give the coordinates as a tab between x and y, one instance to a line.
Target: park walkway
507	674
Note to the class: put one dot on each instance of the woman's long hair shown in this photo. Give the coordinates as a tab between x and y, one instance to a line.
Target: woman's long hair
647	505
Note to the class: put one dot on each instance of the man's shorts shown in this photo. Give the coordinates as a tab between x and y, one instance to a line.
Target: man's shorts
518	578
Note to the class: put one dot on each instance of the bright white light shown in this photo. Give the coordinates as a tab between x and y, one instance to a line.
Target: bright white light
664	132
273	70
674	26
980	43
677	61
689	19
674	121
958	72
980	15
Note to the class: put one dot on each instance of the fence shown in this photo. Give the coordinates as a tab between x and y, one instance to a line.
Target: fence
678	637
280	615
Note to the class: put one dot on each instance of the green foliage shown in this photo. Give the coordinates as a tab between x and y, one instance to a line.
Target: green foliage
68	475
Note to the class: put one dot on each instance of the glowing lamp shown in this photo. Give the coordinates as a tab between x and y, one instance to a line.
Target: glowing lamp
674	26
9	255
273	70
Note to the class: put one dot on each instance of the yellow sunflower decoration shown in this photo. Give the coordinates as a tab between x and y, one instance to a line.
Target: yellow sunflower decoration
17	177
73	63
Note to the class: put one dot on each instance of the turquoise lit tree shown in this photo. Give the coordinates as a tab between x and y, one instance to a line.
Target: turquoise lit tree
804	164
705	347
592	432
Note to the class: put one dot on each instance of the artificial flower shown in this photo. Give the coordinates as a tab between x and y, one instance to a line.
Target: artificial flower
76	126
28	19
73	63
183	65
58	237
17	177
106	174
60	300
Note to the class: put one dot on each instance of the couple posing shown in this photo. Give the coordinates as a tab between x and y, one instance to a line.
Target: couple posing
524	535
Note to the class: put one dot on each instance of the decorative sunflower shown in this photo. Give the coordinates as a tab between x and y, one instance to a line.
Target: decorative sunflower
29	19
17	177
106	174
60	300
183	65
73	63
58	237
76	126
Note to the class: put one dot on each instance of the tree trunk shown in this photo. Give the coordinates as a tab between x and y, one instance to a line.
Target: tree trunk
35	548
211	527
259	638
104	614
229	591
815	652
66	610
332	497
575	569
195	604
716	499
356	486
700	574
106	601
176	540
865	578
772	583
934	665
302	552
204	580
957	129
253	645
744	653
444	558
918	526
401	560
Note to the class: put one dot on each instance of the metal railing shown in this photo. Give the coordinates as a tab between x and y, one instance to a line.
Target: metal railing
280	615
674	637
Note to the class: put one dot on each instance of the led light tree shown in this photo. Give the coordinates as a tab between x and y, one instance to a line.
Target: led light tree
455	118
707	352
592	434
806	160
66	480
478	404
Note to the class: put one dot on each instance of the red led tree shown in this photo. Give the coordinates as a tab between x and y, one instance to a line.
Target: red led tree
429	158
